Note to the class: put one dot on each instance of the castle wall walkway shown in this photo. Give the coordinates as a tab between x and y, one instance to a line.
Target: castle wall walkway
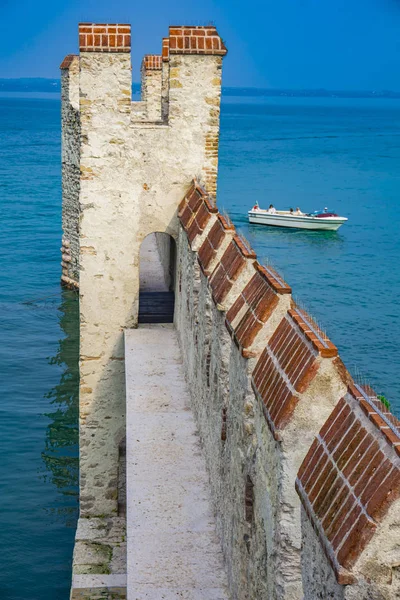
172	547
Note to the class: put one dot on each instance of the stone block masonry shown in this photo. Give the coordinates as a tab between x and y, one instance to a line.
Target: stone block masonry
143	195
126	167
70	160
303	463
349	485
152	86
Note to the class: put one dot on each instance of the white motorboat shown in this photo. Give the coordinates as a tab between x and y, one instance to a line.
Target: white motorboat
323	220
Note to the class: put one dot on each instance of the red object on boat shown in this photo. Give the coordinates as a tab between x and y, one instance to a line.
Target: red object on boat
323	215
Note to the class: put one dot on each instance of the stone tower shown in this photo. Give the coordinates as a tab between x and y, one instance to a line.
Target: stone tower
126	167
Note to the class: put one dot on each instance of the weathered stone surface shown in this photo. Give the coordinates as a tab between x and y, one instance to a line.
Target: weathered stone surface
104	593
70	120
173	550
133	176
100	546
252	474
99	558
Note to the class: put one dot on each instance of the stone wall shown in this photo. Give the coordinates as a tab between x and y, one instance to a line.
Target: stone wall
349	485
166	247
70	161
136	161
151	86
266	383
134	170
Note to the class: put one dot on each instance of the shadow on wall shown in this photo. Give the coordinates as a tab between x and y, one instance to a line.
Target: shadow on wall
157	279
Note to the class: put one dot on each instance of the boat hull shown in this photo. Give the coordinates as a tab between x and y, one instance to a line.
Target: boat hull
259	217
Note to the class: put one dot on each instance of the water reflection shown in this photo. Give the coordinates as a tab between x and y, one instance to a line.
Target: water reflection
60	454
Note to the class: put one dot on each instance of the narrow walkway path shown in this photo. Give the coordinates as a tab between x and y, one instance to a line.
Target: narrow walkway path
173	550
151	273
156	301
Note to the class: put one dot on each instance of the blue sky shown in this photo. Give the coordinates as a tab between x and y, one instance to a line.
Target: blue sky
334	44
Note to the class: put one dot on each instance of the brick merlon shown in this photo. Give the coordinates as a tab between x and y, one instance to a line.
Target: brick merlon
165	49
152	62
102	37
195	40
68	60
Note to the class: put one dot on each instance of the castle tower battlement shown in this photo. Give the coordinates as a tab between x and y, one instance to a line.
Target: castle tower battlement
135	161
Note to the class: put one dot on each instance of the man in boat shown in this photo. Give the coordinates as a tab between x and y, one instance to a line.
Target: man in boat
298	211
271	210
291	211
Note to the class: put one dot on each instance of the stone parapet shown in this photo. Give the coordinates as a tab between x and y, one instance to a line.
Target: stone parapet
288	365
247	317
99	564
347	483
266	382
152	75
70	164
165	79
197	214
215	244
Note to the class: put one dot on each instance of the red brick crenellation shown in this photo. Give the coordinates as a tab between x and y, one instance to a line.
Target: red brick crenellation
286	368
195	211
348	480
230	267
165	49
378	414
207	252
351	474
201	218
102	37
256	304
152	62
68	60
195	40
317	338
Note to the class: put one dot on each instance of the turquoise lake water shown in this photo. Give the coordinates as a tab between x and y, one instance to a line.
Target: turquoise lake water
344	154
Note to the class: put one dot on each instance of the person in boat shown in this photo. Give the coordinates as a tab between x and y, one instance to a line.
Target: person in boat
291	211
271	210
298	211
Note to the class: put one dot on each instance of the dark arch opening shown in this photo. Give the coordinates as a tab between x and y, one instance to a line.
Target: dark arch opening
157	279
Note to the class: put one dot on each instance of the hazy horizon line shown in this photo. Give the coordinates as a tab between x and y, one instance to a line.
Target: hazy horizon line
47	84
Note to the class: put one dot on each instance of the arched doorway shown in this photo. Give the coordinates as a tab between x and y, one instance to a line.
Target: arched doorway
157	279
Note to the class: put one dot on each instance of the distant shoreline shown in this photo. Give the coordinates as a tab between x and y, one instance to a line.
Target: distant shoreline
287	93
53	86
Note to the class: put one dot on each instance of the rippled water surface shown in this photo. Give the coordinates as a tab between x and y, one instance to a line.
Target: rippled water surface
343	154
38	361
